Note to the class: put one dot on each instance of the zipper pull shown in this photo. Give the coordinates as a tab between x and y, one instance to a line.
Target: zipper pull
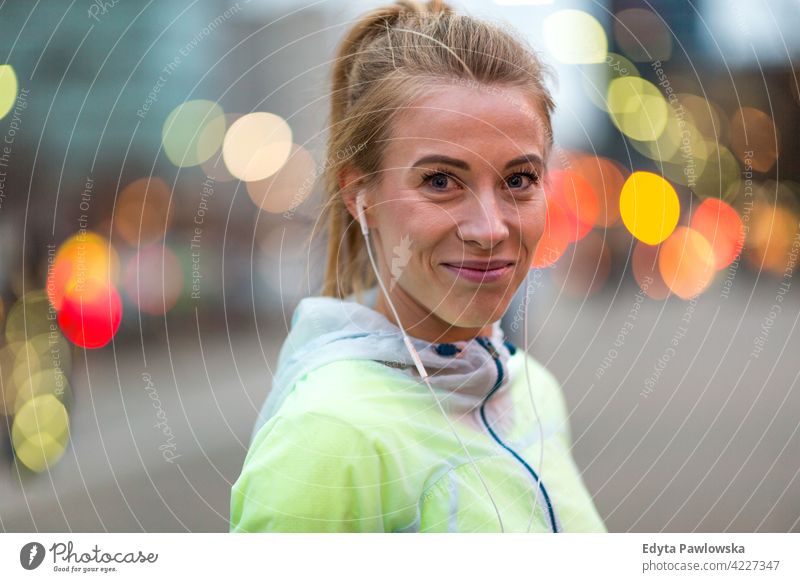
490	348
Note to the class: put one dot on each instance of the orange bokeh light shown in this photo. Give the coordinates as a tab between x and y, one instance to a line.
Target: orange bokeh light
686	262
81	258
720	224
555	237
606	179
576	196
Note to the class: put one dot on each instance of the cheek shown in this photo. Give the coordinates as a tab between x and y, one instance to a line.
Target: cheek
412	233
534	218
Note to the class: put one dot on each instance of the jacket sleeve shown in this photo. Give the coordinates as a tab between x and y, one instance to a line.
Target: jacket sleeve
308	473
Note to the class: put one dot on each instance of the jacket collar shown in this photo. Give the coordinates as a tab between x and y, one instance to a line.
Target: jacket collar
327	329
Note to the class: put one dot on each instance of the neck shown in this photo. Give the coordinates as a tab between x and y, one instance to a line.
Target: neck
420	323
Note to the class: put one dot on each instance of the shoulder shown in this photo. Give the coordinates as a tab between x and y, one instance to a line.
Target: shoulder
307	436
359	393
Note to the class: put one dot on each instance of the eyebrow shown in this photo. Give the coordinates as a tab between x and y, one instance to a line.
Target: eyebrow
440	159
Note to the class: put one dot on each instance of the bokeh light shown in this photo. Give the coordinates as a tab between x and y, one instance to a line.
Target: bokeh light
649	207
665	147
606	179
256	146
575	195
575	37
153	279
754	137
688	163
8	89
686	262
555	237
83	257
721	225
91	318
30	316
773	228
721	174
193	132
43	381
637	108
289	186
611	68
705	115
40	432
8	392
143	214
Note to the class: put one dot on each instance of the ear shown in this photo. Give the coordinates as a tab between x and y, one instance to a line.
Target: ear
350	183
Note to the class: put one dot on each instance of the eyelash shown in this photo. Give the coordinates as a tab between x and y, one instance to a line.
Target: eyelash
529	173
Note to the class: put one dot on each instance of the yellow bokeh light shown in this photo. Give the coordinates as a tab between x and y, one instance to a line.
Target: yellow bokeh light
686	262
637	108
720	177
649	207
256	146
8	89
667	145
28	317
599	76
84	257
193	132
40	432
575	37
46	381
8	389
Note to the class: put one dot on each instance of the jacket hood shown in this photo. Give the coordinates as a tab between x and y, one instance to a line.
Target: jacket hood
327	329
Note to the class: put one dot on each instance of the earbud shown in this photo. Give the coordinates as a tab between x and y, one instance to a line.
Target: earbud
360	207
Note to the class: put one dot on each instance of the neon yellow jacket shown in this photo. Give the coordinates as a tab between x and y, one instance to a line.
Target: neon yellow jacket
360	445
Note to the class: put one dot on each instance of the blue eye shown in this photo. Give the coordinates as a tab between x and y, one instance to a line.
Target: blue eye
438	179
519	182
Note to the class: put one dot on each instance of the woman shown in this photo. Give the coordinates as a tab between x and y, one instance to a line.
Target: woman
446	123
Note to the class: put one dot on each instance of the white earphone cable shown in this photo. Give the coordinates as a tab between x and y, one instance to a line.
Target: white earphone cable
415	356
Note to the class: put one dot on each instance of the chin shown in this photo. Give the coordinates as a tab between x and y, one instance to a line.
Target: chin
479	312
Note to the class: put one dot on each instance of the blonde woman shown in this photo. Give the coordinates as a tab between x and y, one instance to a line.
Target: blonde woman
398	405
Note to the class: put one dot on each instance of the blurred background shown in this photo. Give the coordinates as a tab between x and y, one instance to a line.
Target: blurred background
159	177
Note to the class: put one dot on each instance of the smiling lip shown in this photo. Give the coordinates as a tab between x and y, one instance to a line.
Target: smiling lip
481	271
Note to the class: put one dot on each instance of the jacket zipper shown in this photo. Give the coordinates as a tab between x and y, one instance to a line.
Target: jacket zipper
493	352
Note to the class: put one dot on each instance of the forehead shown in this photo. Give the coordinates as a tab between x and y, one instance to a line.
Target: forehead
491	123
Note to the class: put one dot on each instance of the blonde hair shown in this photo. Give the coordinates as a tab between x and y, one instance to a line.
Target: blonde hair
386	61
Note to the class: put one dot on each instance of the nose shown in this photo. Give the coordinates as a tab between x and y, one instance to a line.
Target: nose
483	221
